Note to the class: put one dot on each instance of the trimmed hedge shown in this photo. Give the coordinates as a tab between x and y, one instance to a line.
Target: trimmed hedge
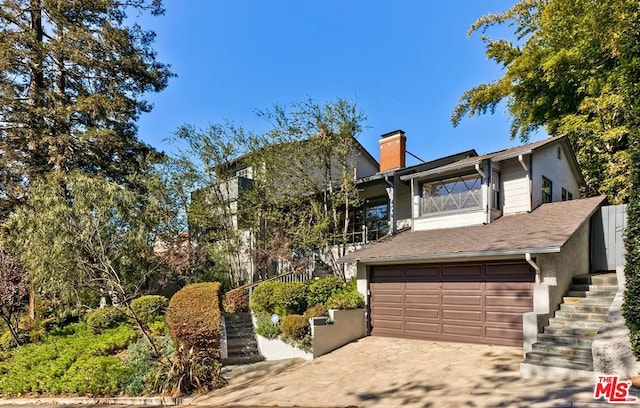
150	308
194	317
320	290
295	327
283	298
105	318
318	310
631	305
236	300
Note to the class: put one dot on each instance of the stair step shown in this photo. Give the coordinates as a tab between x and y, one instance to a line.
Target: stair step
573	300
605	278
591	294
571	331
575	323
238	360
563	351
584	308
595	288
535	357
580	315
242	344
566	340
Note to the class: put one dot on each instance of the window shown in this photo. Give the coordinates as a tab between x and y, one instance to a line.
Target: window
495	189
563	196
460	193
245	173
569	195
559	152
369	222
547	190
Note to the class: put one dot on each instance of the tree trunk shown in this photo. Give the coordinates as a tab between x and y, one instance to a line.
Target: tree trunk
142	329
13	331
32	301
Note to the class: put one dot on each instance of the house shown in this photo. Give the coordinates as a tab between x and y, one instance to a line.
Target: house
481	249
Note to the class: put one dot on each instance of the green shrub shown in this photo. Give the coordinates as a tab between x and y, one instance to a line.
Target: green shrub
105	318
262	299
320	290
73	360
144	368
318	310
631	305
266	328
290	298
189	370
158	328
345	299
236	300
150	308
282	298
194	317
295	327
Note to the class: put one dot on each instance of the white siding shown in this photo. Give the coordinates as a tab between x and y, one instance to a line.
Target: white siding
403	202
450	221
365	167
516	196
547	164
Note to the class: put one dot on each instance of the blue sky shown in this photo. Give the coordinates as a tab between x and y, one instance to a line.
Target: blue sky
404	63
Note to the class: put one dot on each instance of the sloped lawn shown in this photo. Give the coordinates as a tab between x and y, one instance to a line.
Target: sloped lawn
75	360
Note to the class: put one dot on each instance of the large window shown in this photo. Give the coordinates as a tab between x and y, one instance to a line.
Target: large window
369	222
460	193
547	190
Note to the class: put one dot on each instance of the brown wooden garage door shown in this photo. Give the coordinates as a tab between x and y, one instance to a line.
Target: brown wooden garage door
470	302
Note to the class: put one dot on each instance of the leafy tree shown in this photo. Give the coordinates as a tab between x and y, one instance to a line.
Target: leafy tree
563	71
87	233
13	291
72	78
308	189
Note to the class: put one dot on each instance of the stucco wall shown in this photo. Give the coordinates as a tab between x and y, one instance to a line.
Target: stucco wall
559	269
347	326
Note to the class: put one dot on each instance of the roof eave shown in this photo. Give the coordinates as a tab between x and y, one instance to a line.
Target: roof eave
440	170
452	255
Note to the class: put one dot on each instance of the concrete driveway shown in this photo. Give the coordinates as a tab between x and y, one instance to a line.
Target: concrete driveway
385	372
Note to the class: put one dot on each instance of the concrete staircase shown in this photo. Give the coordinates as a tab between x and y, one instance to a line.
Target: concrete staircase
566	341
321	270
242	347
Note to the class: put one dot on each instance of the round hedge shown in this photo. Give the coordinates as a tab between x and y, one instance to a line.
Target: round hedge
194	317
149	308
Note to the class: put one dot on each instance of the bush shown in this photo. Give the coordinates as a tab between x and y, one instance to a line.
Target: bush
295	327
262	299
105	318
189	370
318	310
150	308
290	298
320	290
73	360
345	299
266	328
283	298
194	317
236	300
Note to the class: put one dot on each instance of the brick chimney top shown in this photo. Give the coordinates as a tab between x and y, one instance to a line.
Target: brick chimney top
393	146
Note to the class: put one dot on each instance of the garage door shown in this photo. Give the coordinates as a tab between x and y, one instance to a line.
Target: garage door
470	302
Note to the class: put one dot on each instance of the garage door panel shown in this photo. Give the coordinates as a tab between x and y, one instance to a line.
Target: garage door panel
461	330
422	327
512	318
511	300
386	311
472	302
422	274
427	313
463	315
500	335
387	298
458	286
431	299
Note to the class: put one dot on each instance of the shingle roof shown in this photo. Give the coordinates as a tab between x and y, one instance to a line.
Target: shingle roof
501	154
546	229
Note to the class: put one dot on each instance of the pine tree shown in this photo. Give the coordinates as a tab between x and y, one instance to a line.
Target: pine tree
73	75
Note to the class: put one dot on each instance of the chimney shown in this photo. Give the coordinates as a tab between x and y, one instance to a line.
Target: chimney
393	146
